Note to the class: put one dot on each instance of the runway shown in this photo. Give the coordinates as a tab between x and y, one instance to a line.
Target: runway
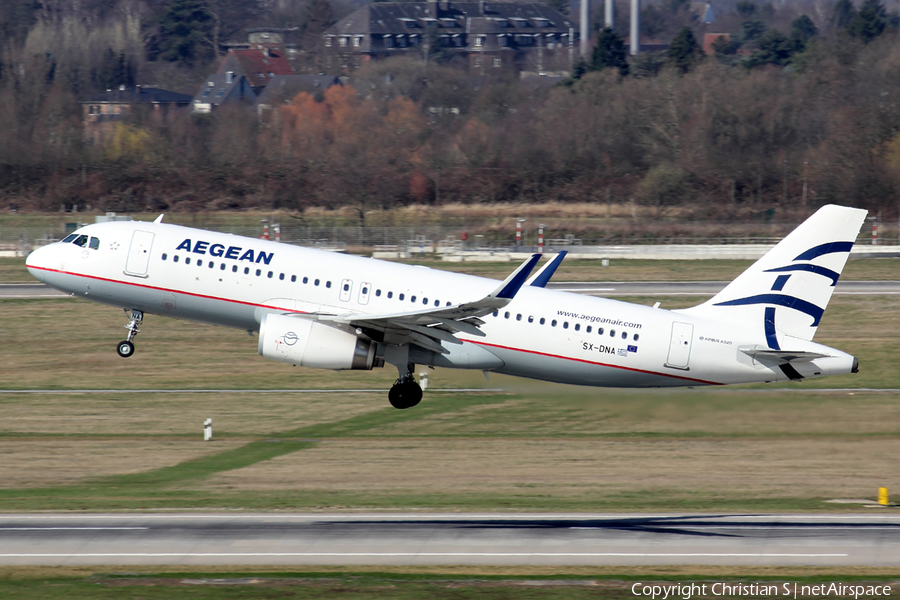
37	291
438	539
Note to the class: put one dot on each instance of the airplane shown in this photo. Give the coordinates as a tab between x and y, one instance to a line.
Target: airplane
326	310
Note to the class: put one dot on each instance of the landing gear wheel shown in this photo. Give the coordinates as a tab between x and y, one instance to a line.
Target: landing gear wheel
405	394
125	349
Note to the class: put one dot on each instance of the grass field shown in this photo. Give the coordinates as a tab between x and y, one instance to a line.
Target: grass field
397	583
514	445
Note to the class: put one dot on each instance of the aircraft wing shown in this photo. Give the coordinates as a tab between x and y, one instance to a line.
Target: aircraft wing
431	326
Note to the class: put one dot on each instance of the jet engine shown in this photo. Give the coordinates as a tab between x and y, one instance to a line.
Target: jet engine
308	343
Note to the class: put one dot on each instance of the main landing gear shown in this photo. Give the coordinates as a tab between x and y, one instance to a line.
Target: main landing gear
406	393
126	348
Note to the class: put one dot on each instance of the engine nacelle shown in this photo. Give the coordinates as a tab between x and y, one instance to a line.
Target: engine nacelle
308	343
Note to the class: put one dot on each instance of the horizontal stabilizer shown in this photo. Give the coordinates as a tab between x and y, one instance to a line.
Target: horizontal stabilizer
780	356
542	277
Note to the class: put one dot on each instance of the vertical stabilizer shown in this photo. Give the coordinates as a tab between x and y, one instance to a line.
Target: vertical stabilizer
786	291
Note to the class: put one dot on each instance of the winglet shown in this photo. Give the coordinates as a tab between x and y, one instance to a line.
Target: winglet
159	218
542	277
511	285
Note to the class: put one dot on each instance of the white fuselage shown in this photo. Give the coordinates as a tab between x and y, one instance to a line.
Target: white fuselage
229	280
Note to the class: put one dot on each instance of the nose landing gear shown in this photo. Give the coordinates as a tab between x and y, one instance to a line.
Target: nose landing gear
405	393
126	348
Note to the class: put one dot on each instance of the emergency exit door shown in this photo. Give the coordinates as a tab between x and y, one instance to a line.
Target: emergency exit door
680	346
139	254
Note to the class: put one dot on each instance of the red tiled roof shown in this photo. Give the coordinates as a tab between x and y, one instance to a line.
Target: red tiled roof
254	61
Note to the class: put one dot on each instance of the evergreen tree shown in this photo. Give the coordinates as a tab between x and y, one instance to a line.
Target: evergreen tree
746	10
843	15
609	52
319	17
774	48
184	30
802	30
752	30
684	52
869	22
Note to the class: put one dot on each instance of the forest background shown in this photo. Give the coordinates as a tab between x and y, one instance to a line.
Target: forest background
800	108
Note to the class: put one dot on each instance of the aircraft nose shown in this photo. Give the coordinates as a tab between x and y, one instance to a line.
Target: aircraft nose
35	261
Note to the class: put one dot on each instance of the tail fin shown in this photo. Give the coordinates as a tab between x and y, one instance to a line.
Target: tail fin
787	290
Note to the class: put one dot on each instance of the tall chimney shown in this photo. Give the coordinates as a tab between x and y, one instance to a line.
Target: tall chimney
635	27
610	14
584	30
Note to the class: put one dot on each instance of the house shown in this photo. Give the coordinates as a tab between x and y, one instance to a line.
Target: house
486	36
283	88
221	88
100	113
258	64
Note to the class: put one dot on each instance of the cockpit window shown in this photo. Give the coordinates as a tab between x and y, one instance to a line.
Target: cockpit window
95	243
82	241
69	238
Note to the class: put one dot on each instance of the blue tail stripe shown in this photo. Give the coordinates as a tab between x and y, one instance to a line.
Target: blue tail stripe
833	275
769	326
829	248
780	300
779	282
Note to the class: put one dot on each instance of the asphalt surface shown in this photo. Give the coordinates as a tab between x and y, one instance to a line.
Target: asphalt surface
432	539
638	288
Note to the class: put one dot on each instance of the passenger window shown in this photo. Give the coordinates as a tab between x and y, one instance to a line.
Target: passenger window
424	300
212	264
624	335
612	333
222	267
599	331
69	238
95	243
365	290
553	323
636	337
246	270
281	276
187	260
401	297
412	298
588	329
199	263
577	326
293	278
328	284
448	304
270	274
258	272
518	317
378	292
438	302
530	319
234	269
543	320
346	287
316	282
165	256
506	315
496	312
81	241
565	324
390	294
306	280
175	258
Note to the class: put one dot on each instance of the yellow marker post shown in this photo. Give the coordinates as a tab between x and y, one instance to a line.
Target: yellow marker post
883	496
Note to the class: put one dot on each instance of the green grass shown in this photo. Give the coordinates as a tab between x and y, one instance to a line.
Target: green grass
450	583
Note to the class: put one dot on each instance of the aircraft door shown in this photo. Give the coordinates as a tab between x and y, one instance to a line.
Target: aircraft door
680	346
139	254
364	290
346	288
